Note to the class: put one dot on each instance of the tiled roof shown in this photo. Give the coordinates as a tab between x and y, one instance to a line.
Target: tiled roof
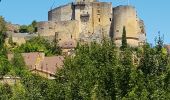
37	61
31	59
51	64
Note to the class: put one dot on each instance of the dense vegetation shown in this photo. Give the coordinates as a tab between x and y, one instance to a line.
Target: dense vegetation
32	28
40	44
97	72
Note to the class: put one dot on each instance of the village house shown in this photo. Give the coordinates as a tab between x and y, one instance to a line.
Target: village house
37	63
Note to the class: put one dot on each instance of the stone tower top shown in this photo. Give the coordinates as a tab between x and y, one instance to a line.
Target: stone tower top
86	0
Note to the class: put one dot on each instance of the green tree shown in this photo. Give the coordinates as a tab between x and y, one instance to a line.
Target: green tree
2	33
23	29
5	92
40	44
4	65
34	25
18	92
19	64
90	74
32	28
2	25
124	40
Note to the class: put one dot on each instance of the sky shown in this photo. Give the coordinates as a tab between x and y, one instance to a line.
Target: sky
155	13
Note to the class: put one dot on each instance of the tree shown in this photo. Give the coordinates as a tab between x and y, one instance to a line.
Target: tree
23	29
124	40
2	32
90	74
4	65
40	44
19	64
32	28
5	92
34	25
2	25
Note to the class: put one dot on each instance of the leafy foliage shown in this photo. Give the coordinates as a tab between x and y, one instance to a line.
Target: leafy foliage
32	28
2	34
96	72
40	44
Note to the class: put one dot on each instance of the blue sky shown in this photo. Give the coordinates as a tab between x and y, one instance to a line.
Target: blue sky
155	13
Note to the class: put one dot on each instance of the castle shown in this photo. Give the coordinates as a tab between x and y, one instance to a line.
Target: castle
91	20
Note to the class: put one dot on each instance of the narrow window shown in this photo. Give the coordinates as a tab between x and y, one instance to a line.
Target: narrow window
98	11
110	19
99	19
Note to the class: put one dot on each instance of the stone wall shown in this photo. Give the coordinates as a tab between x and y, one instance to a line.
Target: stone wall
65	30
102	16
94	20
61	13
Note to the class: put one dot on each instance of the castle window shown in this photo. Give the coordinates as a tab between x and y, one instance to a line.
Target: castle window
110	19
71	36
99	19
98	11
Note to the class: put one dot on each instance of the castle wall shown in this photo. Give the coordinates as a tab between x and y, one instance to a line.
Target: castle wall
101	17
126	16
65	30
62	13
94	20
142	32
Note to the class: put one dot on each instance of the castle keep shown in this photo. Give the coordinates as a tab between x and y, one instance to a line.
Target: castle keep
91	20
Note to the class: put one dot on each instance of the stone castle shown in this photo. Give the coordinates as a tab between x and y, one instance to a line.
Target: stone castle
91	20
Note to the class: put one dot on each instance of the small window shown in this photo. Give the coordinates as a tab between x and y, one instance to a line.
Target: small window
117	30
99	19
110	19
71	36
98	11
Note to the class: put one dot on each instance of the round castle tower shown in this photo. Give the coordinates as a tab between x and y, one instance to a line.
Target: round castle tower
126	16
